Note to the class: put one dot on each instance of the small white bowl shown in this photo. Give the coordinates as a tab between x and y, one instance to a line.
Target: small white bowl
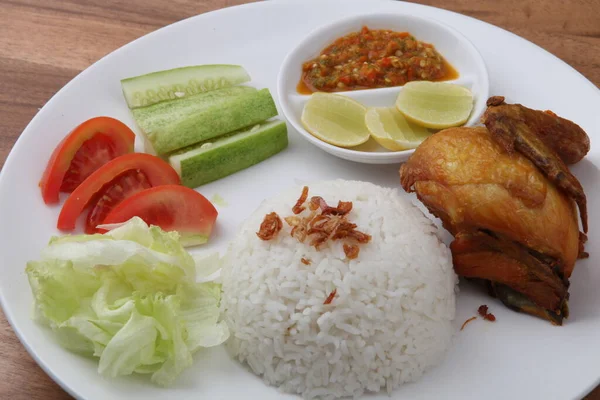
450	43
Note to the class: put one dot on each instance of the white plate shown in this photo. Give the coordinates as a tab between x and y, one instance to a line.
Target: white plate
451	44
517	357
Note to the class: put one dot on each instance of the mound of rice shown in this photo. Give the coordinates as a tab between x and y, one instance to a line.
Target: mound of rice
390	319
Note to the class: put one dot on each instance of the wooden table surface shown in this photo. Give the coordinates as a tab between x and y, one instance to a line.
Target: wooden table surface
45	43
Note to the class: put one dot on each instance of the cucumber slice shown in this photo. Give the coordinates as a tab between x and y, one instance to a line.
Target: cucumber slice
144	90
210	161
159	118
172	125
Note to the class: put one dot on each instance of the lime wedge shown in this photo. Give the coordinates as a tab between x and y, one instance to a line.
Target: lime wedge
335	119
434	104
390	129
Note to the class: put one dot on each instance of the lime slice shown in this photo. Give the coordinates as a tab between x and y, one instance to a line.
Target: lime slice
434	104
335	119
390	129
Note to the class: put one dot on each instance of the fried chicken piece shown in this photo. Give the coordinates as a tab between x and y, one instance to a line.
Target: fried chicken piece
519	302
549	141
509	263
512	226
565	137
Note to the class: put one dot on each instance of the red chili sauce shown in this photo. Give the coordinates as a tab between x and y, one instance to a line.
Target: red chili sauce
373	59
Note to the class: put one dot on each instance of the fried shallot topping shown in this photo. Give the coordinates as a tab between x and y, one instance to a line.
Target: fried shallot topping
466	322
270	226
329	223
323	223
298	207
351	251
343	207
483	311
299	226
329	298
305	261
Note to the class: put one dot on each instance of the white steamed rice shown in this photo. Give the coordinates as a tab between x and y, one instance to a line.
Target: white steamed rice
389	322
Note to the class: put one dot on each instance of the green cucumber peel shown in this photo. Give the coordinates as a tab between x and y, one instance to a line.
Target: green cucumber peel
170	126
226	155
177	83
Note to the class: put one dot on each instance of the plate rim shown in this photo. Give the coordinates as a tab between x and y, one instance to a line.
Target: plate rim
40	114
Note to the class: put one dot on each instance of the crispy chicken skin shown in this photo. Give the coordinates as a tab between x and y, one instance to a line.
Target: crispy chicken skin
512	226
549	141
565	137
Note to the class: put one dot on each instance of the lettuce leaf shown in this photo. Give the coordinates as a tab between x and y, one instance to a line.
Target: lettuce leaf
129	297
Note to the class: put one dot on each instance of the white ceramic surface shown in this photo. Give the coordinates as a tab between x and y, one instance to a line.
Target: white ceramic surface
451	44
517	357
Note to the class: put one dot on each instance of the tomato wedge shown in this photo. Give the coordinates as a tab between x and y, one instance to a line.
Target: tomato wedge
173	208
157	171
123	186
85	149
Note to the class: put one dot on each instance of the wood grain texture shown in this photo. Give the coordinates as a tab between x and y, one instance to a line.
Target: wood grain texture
45	43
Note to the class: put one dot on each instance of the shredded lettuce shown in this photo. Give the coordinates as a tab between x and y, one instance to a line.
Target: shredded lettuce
129	297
